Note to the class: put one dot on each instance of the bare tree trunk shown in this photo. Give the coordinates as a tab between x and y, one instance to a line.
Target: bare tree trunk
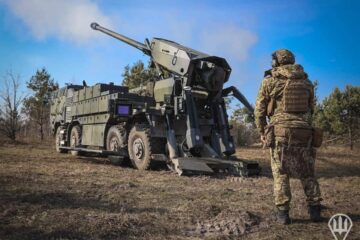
10	105
351	138
41	132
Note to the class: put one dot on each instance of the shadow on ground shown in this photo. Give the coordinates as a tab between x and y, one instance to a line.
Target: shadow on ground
330	169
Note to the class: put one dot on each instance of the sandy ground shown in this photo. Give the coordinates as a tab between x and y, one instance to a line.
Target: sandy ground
46	195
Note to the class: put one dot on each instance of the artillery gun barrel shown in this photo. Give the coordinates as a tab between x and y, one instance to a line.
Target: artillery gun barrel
122	38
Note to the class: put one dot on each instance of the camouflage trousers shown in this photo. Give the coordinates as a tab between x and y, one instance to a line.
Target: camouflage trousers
282	191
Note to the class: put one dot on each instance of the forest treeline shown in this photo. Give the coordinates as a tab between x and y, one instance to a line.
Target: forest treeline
26	116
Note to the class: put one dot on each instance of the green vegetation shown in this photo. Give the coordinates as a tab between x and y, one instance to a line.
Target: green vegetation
138	75
243	127
339	115
37	107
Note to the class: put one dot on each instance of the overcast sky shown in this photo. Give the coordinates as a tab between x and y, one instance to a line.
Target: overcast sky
324	35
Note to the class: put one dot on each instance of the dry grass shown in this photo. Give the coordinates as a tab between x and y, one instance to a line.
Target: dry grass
45	195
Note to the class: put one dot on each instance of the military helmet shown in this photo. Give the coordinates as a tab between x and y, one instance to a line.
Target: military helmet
282	57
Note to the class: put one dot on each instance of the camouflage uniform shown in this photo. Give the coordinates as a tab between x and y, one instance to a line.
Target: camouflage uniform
271	92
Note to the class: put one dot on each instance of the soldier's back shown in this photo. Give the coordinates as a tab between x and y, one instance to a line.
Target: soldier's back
292	94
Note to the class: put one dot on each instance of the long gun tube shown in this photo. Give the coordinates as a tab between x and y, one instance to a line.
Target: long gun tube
122	38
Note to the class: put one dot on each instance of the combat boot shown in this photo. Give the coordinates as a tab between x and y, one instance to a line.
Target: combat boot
283	217
315	213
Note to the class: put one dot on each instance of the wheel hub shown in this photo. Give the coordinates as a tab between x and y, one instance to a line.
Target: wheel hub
73	141
57	141
138	149
114	145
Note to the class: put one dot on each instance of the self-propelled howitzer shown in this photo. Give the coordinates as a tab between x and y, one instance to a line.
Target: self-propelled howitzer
185	123
192	98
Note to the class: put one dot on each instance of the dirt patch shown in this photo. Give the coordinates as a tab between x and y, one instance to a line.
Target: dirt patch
46	195
228	223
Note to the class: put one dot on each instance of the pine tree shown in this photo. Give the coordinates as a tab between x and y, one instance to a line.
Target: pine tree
37	106
341	113
137	75
319	118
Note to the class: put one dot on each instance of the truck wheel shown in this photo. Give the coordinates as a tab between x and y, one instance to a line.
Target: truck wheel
116	139
139	147
58	141
75	139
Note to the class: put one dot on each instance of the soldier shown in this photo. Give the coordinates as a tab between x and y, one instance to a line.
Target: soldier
283	115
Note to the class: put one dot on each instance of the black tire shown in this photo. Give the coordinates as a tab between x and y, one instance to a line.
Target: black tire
116	139
58	140
75	139
139	147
